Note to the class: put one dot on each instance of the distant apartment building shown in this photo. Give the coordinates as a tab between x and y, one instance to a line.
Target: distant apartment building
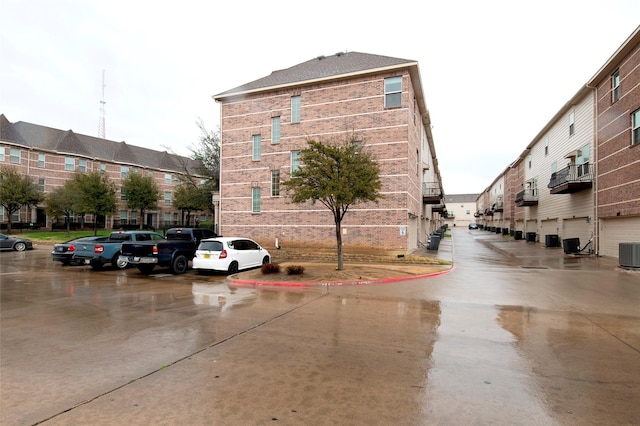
51	156
579	178
461	209
265	124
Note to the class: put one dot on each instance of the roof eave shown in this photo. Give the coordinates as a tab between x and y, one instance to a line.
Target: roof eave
219	97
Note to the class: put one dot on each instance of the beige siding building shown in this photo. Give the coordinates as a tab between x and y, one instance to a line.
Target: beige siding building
580	176
265	124
461	209
51	156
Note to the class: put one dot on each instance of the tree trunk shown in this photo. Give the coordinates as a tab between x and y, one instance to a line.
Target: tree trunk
339	246
142	218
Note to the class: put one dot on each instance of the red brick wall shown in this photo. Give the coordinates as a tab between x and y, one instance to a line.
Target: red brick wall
618	168
328	110
55	175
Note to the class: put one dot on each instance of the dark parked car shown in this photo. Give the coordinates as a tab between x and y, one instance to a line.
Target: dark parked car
65	252
473	226
12	243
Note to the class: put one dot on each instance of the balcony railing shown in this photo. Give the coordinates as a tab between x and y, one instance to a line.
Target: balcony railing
527	197
431	193
573	178
498	207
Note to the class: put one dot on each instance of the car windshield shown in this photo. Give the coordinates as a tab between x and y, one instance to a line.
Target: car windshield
210	246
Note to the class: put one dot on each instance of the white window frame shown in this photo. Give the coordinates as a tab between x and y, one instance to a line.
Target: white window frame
255	199
635	127
124	172
2	153
295	109
256	151
168	178
615	86
393	93
275	129
42	158
295	160
275	183
167	198
69	164
82	165
572	123
14	155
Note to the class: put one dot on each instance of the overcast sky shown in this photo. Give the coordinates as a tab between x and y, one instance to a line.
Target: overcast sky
493	72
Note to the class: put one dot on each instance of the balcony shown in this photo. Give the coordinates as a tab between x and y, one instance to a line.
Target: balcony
527	197
573	178
431	193
488	212
478	213
439	208
498	207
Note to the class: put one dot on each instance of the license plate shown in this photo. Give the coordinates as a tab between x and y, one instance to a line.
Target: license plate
136	259
207	256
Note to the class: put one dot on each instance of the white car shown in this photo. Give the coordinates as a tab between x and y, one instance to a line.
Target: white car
230	254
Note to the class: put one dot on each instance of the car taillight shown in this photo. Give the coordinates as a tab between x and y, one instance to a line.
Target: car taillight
71	248
155	249
98	249
223	254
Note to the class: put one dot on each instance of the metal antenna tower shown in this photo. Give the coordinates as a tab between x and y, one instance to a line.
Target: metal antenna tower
101	125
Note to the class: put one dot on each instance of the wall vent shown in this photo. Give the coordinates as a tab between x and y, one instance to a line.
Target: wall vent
629	254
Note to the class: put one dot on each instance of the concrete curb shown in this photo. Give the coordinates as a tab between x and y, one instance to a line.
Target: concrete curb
308	284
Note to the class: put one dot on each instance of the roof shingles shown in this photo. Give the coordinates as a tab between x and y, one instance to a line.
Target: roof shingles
69	142
320	67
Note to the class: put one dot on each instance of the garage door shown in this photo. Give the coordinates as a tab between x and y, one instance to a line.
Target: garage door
615	231
578	228
549	227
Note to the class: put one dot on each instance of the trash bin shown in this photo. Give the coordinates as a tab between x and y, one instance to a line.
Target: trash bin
552	240
517	235
498	230
530	237
505	231
571	245
434	242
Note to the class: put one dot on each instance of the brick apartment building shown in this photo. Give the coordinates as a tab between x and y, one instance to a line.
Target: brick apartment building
579	178
51	156
265	124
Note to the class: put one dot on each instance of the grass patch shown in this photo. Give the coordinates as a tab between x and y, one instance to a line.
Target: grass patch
58	237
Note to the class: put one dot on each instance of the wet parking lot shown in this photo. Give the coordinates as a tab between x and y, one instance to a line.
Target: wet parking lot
514	334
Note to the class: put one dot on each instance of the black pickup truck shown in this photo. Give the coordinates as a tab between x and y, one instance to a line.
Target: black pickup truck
175	252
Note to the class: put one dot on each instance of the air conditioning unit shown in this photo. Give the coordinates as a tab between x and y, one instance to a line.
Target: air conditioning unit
629	255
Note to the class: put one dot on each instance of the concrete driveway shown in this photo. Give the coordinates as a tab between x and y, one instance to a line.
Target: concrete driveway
514	334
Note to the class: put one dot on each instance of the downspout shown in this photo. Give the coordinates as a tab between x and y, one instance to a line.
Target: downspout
596	218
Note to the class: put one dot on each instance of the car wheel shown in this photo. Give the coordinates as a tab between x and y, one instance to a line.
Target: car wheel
179	265
145	269
233	268
265	260
117	263
20	246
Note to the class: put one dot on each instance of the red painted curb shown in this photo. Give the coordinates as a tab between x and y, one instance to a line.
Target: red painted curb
336	284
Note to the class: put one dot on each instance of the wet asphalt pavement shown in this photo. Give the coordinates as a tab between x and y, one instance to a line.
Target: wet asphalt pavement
515	334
